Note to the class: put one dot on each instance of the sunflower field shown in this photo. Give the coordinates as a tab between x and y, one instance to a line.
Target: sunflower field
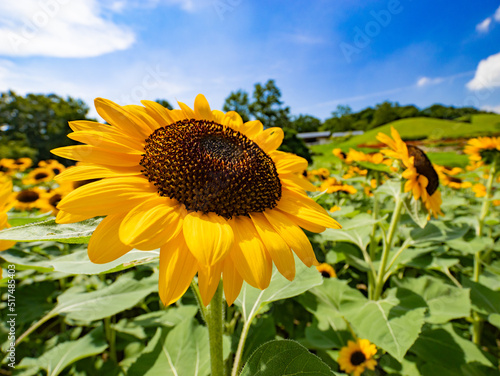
182	242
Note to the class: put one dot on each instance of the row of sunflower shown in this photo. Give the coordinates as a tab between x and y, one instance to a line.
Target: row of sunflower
398	284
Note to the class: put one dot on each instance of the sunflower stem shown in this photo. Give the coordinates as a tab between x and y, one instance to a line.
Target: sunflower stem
373	243
387	246
214	323
197	295
477	324
241	345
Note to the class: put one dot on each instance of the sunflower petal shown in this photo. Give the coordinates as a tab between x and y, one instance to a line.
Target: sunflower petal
105	245
92	154
177	269
208	236
208	281
202	109
270	139
232	281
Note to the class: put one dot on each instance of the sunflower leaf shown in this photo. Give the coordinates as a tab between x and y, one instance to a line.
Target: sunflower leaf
251	300
75	233
285	358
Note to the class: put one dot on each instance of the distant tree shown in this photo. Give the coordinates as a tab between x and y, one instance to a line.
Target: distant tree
342	110
238	101
305	123
268	107
384	113
37	122
164	103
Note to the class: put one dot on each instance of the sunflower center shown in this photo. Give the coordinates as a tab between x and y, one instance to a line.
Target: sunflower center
424	167
41	175
357	358
210	168
27	196
55	199
325	274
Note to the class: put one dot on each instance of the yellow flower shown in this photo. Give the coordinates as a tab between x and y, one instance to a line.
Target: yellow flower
331	185
19	164
479	190
339	153
354	171
357	356
422	179
5	205
39	175
448	177
326	270
52	164
29	199
334	208
210	191
483	150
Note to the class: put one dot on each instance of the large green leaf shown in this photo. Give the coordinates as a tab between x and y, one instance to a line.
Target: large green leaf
76	233
181	351
284	358
438	344
445	302
251	300
437	232
484	299
58	358
123	294
392	324
472	247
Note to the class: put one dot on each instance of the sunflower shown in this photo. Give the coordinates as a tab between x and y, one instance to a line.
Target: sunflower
39	175
339	153
357	356
483	150
29	199
326	270
5	205
210	191
52	164
20	164
448	177
331	185
421	178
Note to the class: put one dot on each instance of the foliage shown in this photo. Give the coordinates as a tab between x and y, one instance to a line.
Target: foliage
38	122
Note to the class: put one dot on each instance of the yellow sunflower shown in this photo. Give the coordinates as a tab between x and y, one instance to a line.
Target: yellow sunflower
52	164
339	153
331	185
326	270
483	150
422	179
5	205
39	175
448	177
29	199
357	356
210	191
19	164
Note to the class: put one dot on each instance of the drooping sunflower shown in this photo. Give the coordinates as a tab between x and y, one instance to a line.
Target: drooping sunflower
357	356
39	175
210	191
483	150
5	205
421	178
326	270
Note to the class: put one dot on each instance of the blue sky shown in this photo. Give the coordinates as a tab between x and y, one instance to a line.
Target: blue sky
321	53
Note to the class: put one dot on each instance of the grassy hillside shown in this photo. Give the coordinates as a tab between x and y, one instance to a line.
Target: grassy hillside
419	128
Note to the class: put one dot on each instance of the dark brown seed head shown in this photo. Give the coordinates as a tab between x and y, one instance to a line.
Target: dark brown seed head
27	196
357	358
424	167
210	168
41	175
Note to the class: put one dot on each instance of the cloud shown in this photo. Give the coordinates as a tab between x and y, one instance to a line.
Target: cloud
60	28
497	15
487	74
484	26
492	108
425	81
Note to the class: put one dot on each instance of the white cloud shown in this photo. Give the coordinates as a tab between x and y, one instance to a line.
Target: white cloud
425	81
487	74
497	15
484	26
60	28
492	108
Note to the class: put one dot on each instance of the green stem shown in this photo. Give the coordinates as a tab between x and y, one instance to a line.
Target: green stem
387	246
197	295
214	323
36	325
111	338
477	324
373	244
239	350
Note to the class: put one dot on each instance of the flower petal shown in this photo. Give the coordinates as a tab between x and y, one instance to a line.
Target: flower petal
202	109
208	236
105	245
177	269
270	139
92	154
232	281
88	172
208	280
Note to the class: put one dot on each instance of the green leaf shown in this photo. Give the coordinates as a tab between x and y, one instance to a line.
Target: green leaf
181	351
439	343
78	262
392	324
356	230
23	218
76	233
445	302
251	300
415	211
168	317
58	358
437	232
484	299
123	294
284	358
472	247
494	319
